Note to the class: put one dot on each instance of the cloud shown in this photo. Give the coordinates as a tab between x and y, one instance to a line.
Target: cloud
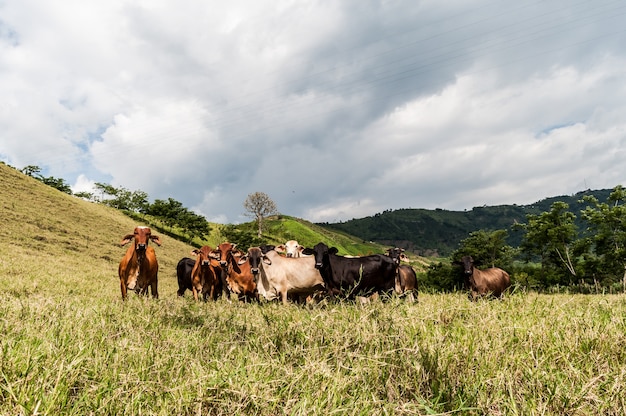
335	110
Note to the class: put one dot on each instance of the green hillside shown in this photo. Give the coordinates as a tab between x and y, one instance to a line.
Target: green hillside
438	232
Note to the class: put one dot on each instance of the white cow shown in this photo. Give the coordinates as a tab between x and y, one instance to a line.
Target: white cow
291	249
282	276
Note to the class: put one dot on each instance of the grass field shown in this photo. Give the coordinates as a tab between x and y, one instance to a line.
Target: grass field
70	346
530	354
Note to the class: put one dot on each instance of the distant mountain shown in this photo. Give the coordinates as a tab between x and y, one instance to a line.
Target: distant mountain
438	232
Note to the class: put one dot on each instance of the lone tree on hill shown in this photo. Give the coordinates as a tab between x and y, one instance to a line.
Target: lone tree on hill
259	205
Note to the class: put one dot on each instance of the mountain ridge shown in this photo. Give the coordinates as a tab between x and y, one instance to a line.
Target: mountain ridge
437	232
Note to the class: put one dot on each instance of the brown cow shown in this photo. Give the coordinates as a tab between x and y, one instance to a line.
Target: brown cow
239	273
206	274
406	278
407	282
493	281
139	267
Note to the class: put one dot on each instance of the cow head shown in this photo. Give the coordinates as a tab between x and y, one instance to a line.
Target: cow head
468	265
397	255
291	248
267	247
142	236
204	255
254	256
223	253
321	252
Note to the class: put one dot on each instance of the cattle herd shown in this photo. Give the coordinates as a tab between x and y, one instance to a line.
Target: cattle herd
287	272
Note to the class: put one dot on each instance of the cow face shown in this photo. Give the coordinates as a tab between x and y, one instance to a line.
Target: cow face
291	248
321	252
204	255
142	236
223	253
468	265
255	256
397	255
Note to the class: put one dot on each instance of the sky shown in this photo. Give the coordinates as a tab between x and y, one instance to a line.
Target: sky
335	109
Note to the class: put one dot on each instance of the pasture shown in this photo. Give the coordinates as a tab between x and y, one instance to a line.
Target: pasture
74	352
70	346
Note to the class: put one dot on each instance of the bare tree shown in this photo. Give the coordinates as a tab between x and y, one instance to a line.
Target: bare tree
259	205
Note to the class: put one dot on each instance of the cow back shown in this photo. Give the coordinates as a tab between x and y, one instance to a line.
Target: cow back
490	281
361	275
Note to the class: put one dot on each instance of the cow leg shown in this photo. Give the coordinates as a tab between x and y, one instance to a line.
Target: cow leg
153	288
123	289
225	287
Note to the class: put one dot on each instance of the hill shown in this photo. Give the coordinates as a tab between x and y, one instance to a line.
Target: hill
438	232
46	232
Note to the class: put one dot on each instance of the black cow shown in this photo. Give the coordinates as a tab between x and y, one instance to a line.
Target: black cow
351	276
183	273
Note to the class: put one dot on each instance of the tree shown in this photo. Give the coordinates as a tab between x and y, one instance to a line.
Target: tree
607	229
552	236
89	196
486	247
193	225
58	183
259	205
122	198
168	211
31	170
241	235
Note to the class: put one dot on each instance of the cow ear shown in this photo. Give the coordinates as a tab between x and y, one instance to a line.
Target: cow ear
333	250
404	257
267	260
195	252
126	239
242	259
156	239
308	251
280	248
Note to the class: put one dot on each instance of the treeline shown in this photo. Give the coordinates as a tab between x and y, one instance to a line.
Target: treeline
170	213
437	232
555	250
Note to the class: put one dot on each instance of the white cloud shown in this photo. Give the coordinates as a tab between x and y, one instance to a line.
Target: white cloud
336	110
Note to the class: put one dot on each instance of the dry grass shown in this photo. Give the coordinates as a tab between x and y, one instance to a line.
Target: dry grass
70	346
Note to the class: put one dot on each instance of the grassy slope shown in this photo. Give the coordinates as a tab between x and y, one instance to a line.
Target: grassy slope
45	231
70	346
